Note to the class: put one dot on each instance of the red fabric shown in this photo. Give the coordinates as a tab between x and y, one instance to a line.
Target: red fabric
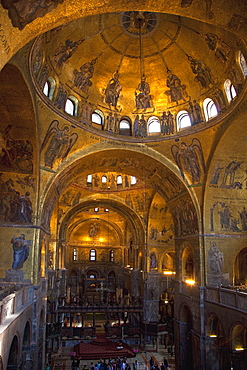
102	348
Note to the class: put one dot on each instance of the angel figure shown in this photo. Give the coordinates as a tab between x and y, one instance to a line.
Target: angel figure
190	158
60	143
66	51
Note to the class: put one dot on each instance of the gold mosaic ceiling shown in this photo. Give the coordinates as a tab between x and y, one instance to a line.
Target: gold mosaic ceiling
90	54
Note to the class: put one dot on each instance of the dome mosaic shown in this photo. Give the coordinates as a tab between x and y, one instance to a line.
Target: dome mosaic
133	67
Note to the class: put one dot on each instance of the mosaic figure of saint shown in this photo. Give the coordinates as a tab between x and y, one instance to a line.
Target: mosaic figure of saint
177	90
142	95
21	251
153	261
82	77
195	113
112	91
220	47
61	97
202	72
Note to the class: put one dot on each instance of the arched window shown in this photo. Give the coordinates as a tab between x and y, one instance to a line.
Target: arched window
89	179
210	109
183	119
111	256
71	106
239	337
92	274
111	281
119	180
75	254
104	179
132	180
125	127
230	90
92	255
49	88
153	125
242	63
98	117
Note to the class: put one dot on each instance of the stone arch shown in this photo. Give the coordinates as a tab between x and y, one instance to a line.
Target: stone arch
26	351
168	261
186	327
216	343
154	169
93	270
74	281
238	345
14	354
238	336
27	335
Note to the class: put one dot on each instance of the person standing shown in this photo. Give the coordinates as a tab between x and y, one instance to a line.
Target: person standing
165	362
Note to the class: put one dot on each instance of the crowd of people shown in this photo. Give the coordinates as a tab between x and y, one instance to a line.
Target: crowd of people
115	364
103	364
118	364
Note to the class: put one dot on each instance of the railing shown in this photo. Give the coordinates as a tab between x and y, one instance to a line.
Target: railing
101	307
14	302
14	299
228	296
89	333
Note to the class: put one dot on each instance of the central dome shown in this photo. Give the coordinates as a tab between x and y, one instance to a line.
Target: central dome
136	62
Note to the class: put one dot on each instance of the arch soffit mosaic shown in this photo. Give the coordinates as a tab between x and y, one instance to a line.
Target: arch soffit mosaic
160	176
128	214
75	226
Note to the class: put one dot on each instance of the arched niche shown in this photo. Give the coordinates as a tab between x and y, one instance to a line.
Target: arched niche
27	335
218	354
240	268
238	346
166	308
14	353
168	261
214	328
186	327
74	279
82	230
111	282
188	264
238	337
